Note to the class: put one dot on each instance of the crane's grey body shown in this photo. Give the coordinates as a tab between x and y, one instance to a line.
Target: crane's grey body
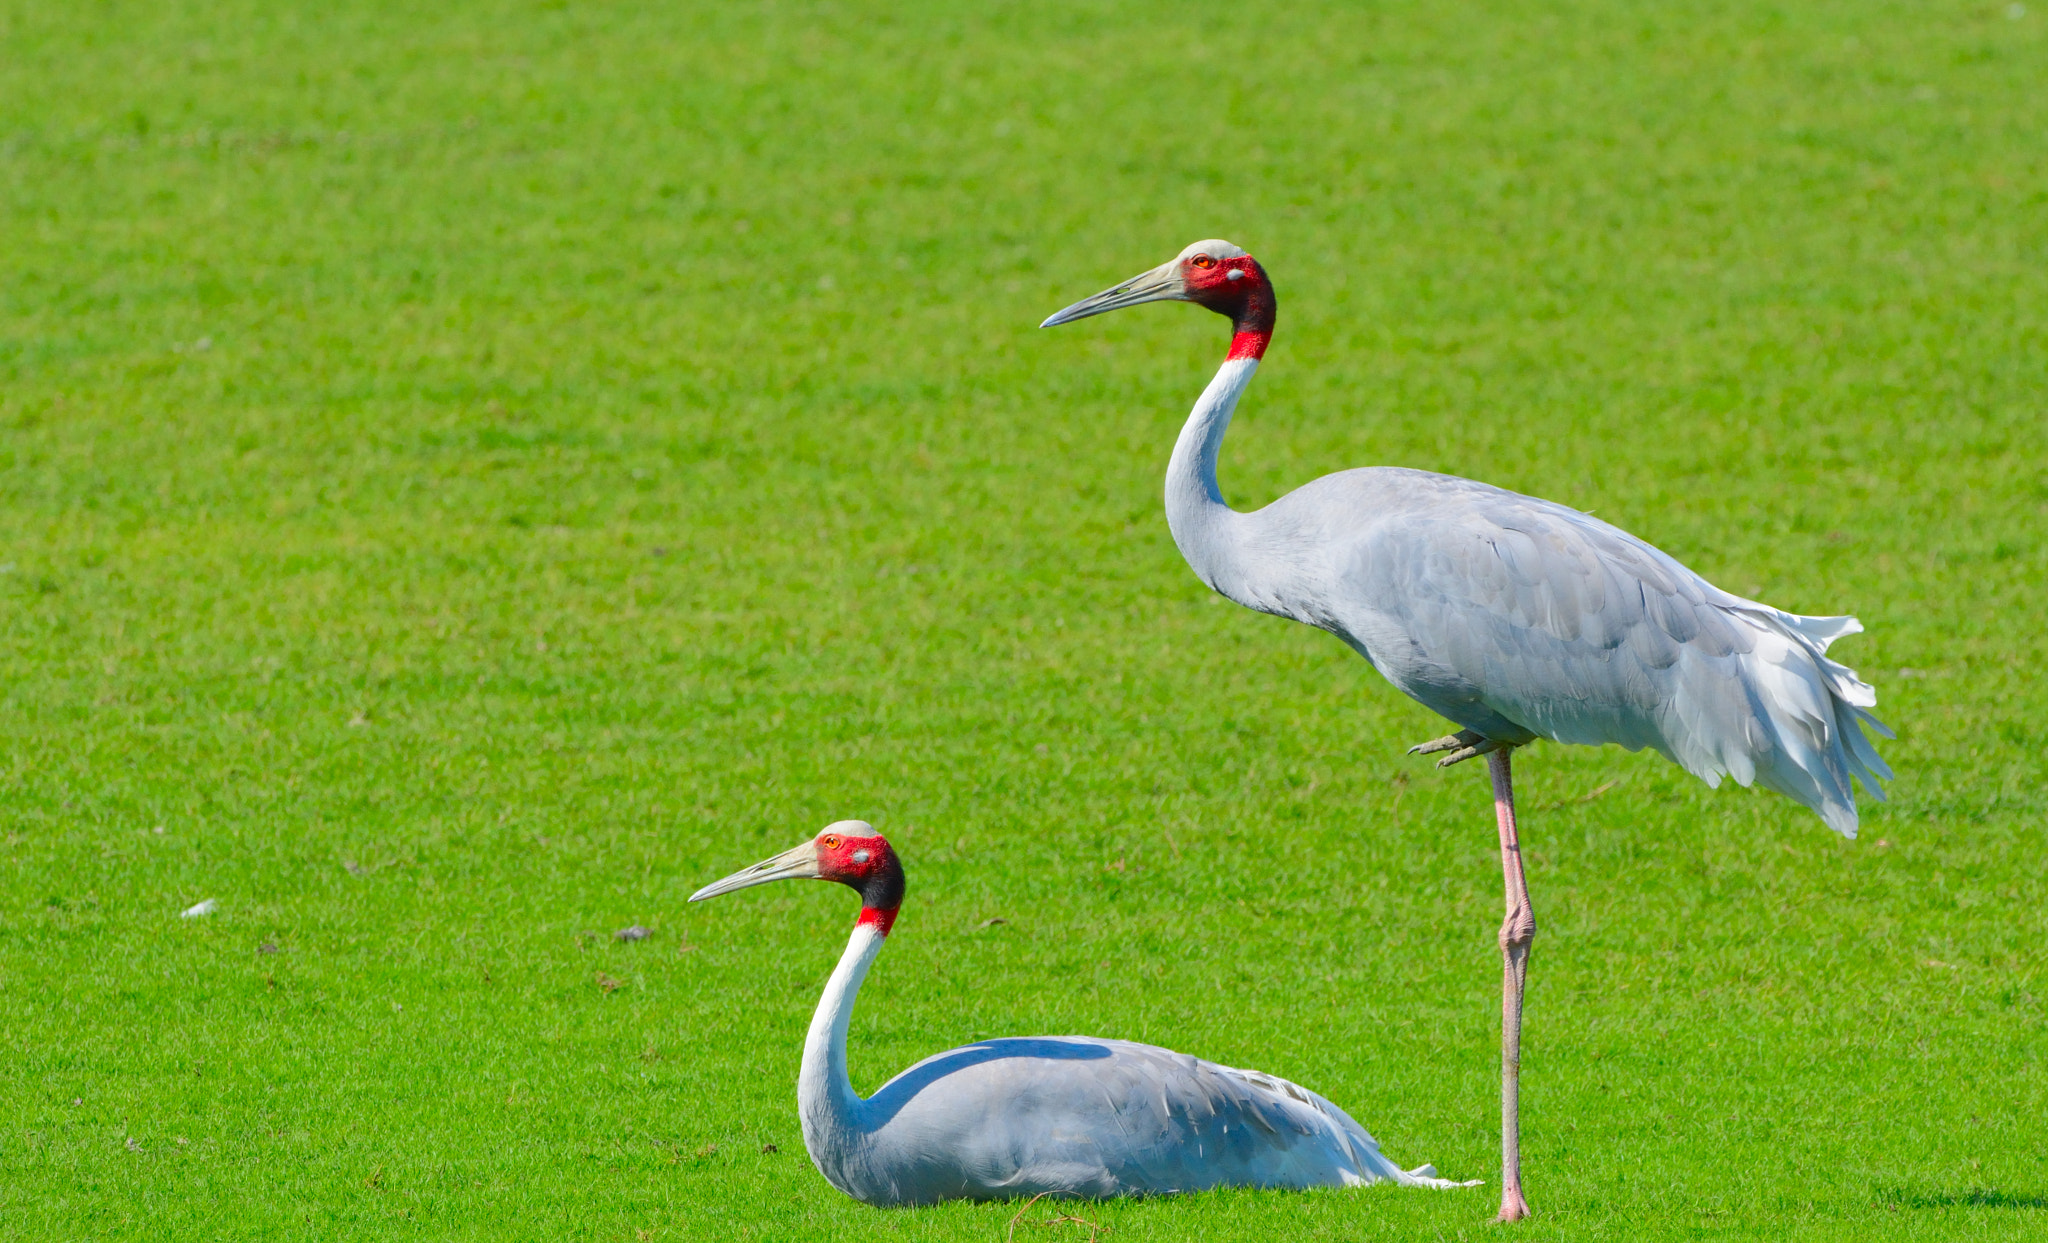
1516	618
1521	619
1069	1115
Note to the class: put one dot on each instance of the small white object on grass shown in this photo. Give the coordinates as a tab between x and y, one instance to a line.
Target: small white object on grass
203	908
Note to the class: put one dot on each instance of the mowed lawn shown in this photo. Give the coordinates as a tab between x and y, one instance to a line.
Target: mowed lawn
470	477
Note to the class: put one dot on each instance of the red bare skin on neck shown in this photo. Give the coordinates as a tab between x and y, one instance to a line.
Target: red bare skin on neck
1237	288
868	865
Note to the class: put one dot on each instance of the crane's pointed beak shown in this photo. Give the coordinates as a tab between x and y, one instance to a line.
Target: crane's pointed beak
1161	284
800	863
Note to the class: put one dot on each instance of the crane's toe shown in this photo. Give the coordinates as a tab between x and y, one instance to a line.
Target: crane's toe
1449	742
1462	745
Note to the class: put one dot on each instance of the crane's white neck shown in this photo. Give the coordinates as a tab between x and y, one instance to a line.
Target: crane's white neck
833	1116
1208	531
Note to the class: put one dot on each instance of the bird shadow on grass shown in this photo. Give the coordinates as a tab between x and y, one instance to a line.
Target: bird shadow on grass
1975	1197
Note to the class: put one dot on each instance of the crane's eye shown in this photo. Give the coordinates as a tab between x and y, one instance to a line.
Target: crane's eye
1203	261
831	841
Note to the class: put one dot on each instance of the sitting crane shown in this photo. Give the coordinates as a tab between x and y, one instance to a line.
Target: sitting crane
1515	618
1062	1115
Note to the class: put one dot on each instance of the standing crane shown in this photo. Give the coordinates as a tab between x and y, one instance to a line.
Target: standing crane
1515	618
1065	1115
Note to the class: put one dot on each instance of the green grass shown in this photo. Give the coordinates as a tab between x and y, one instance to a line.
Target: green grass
467	480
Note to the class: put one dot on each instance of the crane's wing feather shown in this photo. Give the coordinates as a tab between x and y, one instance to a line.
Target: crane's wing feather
1016	1117
1521	618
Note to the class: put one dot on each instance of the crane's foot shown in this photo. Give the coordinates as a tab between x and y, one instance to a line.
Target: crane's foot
1462	745
1512	1206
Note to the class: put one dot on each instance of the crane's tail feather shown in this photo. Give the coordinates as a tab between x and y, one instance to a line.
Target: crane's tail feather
1369	1164
1425	1176
1373	1165
1811	712
1822	630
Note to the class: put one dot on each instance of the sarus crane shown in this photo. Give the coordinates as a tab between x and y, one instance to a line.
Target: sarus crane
1513	617
1061	1115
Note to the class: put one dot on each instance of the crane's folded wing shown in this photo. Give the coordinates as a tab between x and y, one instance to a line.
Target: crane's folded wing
1005	1118
1511	614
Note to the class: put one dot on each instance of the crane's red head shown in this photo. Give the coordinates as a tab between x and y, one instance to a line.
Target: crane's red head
850	852
1214	274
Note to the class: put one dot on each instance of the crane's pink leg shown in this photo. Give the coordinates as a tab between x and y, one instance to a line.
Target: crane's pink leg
1516	932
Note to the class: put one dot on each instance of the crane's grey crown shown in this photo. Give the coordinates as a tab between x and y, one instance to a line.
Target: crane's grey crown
1215	248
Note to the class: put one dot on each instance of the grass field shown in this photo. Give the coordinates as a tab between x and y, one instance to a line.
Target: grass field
468	480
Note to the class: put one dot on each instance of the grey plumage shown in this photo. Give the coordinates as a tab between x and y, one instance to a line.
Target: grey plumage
1520	619
1517	618
1065	1115
1074	1115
